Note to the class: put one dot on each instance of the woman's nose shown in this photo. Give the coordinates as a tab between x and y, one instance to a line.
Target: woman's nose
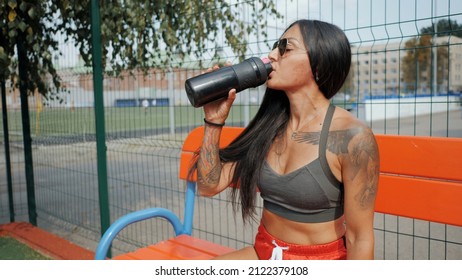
273	55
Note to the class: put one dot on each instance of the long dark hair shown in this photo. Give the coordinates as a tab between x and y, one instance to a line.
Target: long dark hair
330	55
248	151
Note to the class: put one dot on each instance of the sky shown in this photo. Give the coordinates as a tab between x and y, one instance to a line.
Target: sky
364	21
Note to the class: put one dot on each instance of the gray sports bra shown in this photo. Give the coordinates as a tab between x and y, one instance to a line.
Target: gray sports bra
310	194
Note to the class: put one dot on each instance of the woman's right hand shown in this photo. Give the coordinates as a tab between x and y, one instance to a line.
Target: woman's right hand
218	111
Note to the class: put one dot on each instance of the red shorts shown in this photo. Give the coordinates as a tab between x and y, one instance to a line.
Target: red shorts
268	247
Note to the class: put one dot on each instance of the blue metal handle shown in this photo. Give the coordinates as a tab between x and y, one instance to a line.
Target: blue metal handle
134	217
189	207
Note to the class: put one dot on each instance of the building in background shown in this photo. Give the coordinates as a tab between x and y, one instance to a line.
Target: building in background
379	69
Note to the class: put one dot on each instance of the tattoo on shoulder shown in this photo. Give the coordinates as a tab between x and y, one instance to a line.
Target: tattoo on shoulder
339	140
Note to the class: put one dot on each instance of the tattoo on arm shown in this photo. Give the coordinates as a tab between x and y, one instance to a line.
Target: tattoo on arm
209	165
363	158
368	159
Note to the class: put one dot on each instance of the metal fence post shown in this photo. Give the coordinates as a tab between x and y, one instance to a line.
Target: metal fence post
27	139
99	116
7	152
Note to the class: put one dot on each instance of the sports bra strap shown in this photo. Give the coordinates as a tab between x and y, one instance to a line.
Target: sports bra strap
323	138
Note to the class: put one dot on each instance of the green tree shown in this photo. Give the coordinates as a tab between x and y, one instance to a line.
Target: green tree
444	27
416	64
25	22
134	33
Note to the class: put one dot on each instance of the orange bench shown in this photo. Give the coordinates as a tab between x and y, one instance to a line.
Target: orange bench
421	177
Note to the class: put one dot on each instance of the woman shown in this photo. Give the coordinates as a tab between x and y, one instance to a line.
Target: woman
315	165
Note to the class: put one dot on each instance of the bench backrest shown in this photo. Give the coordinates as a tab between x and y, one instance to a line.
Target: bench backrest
421	177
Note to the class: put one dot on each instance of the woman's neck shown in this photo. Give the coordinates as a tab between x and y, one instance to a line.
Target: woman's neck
306	107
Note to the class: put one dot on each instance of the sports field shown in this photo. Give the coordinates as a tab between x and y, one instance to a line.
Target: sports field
67	121
78	121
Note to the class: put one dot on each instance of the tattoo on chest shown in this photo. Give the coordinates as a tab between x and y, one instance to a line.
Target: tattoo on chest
337	141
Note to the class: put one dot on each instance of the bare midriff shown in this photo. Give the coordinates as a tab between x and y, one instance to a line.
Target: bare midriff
303	233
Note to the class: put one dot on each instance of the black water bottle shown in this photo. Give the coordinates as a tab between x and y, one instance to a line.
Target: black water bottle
212	86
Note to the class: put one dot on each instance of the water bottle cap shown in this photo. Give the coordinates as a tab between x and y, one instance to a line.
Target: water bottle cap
266	60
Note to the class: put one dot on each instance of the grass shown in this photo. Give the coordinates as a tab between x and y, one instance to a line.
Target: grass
12	249
66	121
79	121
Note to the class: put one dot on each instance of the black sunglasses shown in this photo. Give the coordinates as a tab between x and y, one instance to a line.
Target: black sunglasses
282	46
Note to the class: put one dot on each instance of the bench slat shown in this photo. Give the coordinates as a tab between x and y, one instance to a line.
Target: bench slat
430	200
431	157
182	247
146	253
